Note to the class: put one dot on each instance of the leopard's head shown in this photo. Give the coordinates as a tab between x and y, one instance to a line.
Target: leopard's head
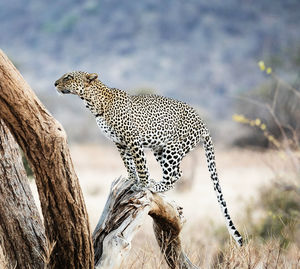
75	82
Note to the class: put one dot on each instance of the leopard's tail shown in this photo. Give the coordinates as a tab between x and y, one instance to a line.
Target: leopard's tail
210	157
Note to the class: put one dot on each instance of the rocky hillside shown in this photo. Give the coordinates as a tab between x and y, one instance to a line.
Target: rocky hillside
196	50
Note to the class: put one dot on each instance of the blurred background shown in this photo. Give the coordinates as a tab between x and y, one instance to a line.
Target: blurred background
236	61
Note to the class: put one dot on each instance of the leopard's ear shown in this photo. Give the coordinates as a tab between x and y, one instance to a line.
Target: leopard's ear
91	77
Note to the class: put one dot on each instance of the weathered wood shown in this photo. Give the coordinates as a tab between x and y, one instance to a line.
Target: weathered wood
44	143
21	229
124	214
167	225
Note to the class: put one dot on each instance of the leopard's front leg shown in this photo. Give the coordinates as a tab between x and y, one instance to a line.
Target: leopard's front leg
128	162
137	152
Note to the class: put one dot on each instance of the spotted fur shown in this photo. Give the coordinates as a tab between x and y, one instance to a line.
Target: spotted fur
168	127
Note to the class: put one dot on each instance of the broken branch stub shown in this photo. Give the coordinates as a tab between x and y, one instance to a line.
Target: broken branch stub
124	214
167	224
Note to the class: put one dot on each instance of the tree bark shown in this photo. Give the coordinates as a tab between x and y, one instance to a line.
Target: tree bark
22	233
124	214
44	143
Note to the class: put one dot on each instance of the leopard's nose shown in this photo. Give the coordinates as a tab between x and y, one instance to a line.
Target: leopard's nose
56	83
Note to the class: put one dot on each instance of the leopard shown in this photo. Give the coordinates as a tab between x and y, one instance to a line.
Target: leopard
168	127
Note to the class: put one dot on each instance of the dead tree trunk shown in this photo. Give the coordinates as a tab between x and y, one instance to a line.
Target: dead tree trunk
22	233
43	141
122	216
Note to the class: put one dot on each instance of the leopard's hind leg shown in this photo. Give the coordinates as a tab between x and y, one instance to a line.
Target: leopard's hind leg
170	157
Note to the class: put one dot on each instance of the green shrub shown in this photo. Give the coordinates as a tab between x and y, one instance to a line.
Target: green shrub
279	214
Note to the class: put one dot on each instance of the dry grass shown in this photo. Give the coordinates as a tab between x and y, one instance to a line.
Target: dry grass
207	250
254	255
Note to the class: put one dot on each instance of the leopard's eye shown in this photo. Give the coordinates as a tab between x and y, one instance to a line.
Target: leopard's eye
68	77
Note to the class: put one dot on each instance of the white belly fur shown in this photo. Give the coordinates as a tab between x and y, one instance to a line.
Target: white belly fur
107	130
